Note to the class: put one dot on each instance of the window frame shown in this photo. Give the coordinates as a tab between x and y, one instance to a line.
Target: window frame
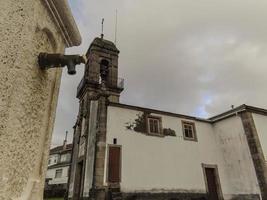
57	170
159	119
194	133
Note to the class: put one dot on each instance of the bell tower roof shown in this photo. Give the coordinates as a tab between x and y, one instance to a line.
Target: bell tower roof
103	44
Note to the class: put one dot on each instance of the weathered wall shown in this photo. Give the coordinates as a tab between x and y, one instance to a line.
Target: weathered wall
239	175
261	126
28	96
160	164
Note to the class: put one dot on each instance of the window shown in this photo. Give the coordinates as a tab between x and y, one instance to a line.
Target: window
189	130
68	157
83	126
49	161
63	158
58	173
154	125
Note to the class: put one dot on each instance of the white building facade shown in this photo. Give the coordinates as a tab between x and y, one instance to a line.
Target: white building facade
58	171
128	152
156	164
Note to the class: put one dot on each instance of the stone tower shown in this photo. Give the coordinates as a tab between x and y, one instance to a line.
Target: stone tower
99	86
101	71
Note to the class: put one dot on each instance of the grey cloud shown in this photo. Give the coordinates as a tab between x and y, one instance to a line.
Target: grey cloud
185	56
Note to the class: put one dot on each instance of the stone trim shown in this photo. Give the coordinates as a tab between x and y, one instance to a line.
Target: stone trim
211	120
176	196
255	151
194	139
188	195
61	14
160	129
238	110
100	153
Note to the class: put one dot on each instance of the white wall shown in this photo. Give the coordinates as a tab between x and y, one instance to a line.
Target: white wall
62	180
238	173
65	157
172	163
261	126
53	159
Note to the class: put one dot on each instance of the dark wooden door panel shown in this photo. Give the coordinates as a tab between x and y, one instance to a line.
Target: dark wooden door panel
114	164
212	184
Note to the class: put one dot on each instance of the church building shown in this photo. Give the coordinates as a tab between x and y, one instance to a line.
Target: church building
128	152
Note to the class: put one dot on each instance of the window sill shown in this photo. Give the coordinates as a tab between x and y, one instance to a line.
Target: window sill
155	134
190	139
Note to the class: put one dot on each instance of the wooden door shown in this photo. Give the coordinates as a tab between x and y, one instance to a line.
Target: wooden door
114	164
212	184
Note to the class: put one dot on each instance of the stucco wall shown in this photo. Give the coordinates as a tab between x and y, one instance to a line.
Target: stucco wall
28	96
174	164
261	126
238	173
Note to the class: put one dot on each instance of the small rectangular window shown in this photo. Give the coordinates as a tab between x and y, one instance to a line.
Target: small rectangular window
189	130
58	173
83	126
63	158
154	125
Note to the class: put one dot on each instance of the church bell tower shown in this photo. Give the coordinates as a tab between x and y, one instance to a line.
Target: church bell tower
101	71
99	86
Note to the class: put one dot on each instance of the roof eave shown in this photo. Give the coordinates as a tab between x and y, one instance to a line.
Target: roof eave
62	15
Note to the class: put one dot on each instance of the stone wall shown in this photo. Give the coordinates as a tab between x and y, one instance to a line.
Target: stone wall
255	151
28	95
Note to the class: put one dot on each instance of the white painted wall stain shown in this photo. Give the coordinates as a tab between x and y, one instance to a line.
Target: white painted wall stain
238	174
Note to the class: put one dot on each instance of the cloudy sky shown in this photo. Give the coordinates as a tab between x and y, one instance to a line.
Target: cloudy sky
195	57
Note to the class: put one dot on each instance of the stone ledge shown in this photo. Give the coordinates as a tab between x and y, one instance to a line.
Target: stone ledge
62	15
164	196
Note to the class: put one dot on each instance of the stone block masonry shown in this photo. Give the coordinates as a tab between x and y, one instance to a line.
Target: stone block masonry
29	95
256	151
